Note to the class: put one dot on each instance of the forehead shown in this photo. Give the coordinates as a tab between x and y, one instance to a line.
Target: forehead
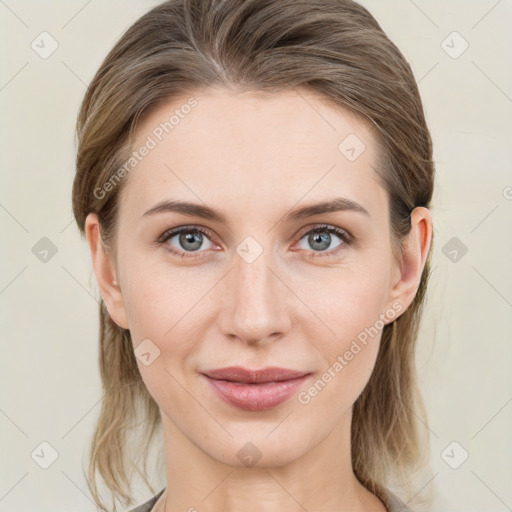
251	149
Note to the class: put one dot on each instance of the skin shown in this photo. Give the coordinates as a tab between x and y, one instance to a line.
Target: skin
254	157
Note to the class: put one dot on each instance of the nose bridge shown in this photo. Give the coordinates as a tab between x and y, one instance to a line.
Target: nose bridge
254	305
253	278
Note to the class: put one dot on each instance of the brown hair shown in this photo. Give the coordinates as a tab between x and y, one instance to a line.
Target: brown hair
334	48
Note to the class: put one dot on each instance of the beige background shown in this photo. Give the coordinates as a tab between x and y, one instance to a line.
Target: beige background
50	383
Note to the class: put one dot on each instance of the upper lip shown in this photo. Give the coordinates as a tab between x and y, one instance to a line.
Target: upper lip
245	375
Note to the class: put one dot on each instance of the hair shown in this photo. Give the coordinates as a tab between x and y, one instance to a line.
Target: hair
333	48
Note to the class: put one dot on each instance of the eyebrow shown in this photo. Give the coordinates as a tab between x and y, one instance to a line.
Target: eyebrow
205	212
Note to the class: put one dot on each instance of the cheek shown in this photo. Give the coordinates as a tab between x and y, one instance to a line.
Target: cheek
161	310
166	305
153	292
146	303
150	287
352	307
349	300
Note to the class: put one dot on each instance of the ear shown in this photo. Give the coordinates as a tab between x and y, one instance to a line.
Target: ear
105	271
415	249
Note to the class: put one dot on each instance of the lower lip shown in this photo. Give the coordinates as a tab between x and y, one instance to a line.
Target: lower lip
256	397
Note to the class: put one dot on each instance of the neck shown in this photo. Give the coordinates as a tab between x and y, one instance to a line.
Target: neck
320	479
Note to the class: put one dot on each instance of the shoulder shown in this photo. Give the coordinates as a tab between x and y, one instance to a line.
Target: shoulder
148	505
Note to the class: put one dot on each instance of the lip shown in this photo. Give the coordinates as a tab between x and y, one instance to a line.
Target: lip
255	390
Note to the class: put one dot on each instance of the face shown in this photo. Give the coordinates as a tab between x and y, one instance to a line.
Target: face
250	275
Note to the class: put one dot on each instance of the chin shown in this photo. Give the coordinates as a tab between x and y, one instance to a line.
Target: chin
257	448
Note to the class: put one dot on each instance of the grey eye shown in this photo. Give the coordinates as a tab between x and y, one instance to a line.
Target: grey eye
320	239
189	240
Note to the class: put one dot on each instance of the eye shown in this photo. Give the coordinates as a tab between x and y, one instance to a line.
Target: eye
188	240
320	238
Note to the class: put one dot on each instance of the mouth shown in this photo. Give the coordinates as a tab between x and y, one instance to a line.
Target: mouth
255	390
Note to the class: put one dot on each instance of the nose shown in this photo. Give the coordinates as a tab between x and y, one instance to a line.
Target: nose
255	302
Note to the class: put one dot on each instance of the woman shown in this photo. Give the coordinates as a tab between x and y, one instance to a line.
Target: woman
254	180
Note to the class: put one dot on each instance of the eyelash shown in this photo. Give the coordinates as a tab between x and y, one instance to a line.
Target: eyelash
346	238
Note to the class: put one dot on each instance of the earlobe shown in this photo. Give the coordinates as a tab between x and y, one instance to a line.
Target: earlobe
105	272
415	250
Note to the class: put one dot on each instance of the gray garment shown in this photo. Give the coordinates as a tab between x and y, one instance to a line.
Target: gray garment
146	507
392	503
